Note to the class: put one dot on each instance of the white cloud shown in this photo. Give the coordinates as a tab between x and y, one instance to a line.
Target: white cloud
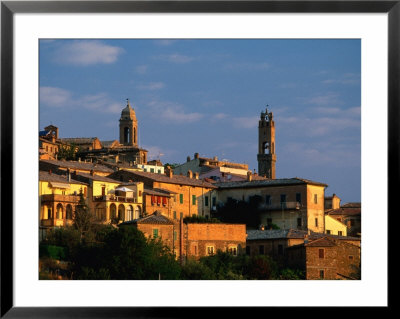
165	42
57	97
175	58
345	79
85	52
172	112
54	97
151	86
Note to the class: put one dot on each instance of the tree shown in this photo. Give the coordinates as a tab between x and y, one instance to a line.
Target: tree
83	217
68	152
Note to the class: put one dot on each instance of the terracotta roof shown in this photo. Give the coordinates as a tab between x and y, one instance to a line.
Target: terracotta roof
268	182
156	218
321	242
344	211
85	176
175	179
158	191
291	234
47	177
351	205
78	140
79	165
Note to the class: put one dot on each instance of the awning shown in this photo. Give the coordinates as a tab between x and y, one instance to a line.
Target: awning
60	185
124	189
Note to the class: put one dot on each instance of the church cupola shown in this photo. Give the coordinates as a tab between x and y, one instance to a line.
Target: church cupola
128	126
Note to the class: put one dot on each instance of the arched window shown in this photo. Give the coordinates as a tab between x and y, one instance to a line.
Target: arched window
113	211
59	211
137	212
129	213
69	212
121	212
126	135
134	135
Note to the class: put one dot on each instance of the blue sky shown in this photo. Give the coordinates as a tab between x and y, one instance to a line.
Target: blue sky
206	96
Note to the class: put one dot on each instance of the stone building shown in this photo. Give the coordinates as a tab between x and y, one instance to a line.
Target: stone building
58	197
191	196
287	203
192	240
275	242
332	202
266	156
203	165
49	143
326	258
350	215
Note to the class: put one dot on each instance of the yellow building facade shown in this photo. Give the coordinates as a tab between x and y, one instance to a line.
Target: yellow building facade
334	227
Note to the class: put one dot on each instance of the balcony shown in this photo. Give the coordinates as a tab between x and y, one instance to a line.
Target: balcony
60	198
113	198
282	206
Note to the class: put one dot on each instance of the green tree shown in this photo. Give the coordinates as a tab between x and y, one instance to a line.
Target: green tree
83	218
68	152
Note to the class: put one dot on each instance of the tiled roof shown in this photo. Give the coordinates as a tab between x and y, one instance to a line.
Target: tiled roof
79	165
158	191
85	176
291	234
268	182
47	177
175	179
344	211
321	242
78	140
352	205
156	218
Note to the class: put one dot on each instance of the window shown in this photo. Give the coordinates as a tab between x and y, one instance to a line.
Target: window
298	198
174	215
159	171
158	200
328	231
268	199
155	233
210	250
214	201
153	199
299	222
164	201
181	198
261	249
321	274
280	250
315	199
151	170
193	199
321	253
350	257
233	250
340	233
206	201
316	222
283	200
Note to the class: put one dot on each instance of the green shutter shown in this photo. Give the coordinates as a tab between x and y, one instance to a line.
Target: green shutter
206	201
193	199
181	198
155	233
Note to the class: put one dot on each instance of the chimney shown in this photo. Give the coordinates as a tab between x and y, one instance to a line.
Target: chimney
68	175
249	176
189	174
306	239
169	171
188	159
196	155
215	158
196	175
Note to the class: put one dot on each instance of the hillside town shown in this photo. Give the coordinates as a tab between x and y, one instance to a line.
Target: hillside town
196	209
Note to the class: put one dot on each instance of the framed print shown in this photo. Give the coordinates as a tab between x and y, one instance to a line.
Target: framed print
326	72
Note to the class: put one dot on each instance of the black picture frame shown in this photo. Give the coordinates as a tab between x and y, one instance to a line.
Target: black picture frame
9	8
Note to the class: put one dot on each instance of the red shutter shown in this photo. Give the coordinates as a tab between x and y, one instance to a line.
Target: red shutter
164	201
158	200
153	199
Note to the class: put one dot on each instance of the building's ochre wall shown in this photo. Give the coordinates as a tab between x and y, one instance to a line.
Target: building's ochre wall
334	226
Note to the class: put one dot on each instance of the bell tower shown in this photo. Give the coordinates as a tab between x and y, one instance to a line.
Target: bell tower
266	145
128	126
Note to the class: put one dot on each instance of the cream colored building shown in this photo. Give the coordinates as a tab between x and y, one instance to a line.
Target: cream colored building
288	202
334	227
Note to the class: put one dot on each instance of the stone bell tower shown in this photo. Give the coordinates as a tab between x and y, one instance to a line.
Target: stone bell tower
128	126
266	145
